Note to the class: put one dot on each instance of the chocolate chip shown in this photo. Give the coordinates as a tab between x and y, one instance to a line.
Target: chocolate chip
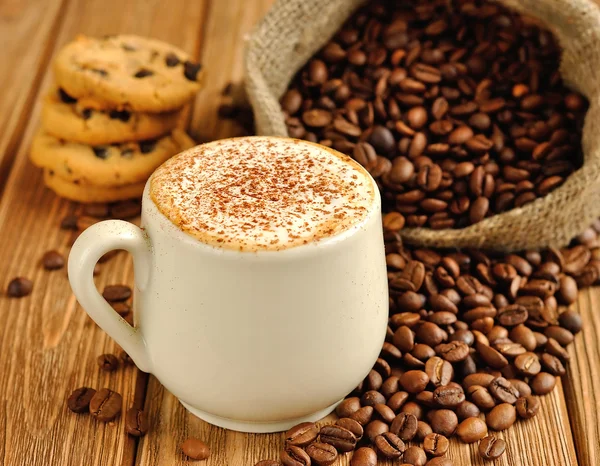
190	70
147	146
122	115
86	113
171	60
101	152
143	73
99	71
66	98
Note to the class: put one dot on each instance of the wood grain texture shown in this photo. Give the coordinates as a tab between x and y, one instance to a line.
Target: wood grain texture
27	34
48	344
582	382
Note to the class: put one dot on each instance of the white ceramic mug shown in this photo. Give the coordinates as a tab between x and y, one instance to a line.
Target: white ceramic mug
250	341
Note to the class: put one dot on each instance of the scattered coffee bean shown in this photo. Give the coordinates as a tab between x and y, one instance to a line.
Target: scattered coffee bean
53	260
195	449
439	462
543	383
79	400
435	444
471	430
501	417
415	456
491	448
136	422
115	293
121	307
19	287
302	434
389	445
108	362
528	406
342	439
105	405
321	454
444	422
364	457
125	359
404	426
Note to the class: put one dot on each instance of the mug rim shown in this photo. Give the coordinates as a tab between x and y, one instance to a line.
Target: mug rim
150	208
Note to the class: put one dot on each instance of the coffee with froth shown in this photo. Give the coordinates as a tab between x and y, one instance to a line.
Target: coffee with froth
262	193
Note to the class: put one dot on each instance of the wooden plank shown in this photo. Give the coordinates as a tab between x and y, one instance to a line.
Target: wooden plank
27	34
48	344
582	382
547	440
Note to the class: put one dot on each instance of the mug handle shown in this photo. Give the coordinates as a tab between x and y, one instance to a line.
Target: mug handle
91	245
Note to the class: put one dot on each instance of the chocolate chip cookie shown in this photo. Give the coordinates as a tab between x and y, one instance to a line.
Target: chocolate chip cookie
65	118
127	72
105	165
88	193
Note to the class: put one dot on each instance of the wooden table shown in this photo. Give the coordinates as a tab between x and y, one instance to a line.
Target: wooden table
48	346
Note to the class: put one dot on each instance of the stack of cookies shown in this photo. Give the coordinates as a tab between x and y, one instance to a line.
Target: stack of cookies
111	119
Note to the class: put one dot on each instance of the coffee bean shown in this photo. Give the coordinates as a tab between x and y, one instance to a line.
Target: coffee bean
491	357
136	422
491	448
384	412
528	406
501	417
439	462
115	293
375	428
19	287
415	456
302	434
448	396
503	390
528	364
362	415
404	339
481	397
397	400
435	444
414	381
321	454
79	400
481	379
353	426
53	260
423	430
105	405
348	407
291	455
440	372
108	362
444	422
543	383
389	445
454	351
466	410
364	457
570	320
342	439
404	426
471	430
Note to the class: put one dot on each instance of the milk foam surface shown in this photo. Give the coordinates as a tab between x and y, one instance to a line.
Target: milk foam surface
262	193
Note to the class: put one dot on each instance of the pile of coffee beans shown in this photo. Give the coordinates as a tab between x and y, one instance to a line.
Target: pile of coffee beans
473	339
455	107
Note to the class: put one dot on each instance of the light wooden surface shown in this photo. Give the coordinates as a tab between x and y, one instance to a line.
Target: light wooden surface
48	345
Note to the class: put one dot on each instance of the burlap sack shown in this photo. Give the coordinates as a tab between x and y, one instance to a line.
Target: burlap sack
295	29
